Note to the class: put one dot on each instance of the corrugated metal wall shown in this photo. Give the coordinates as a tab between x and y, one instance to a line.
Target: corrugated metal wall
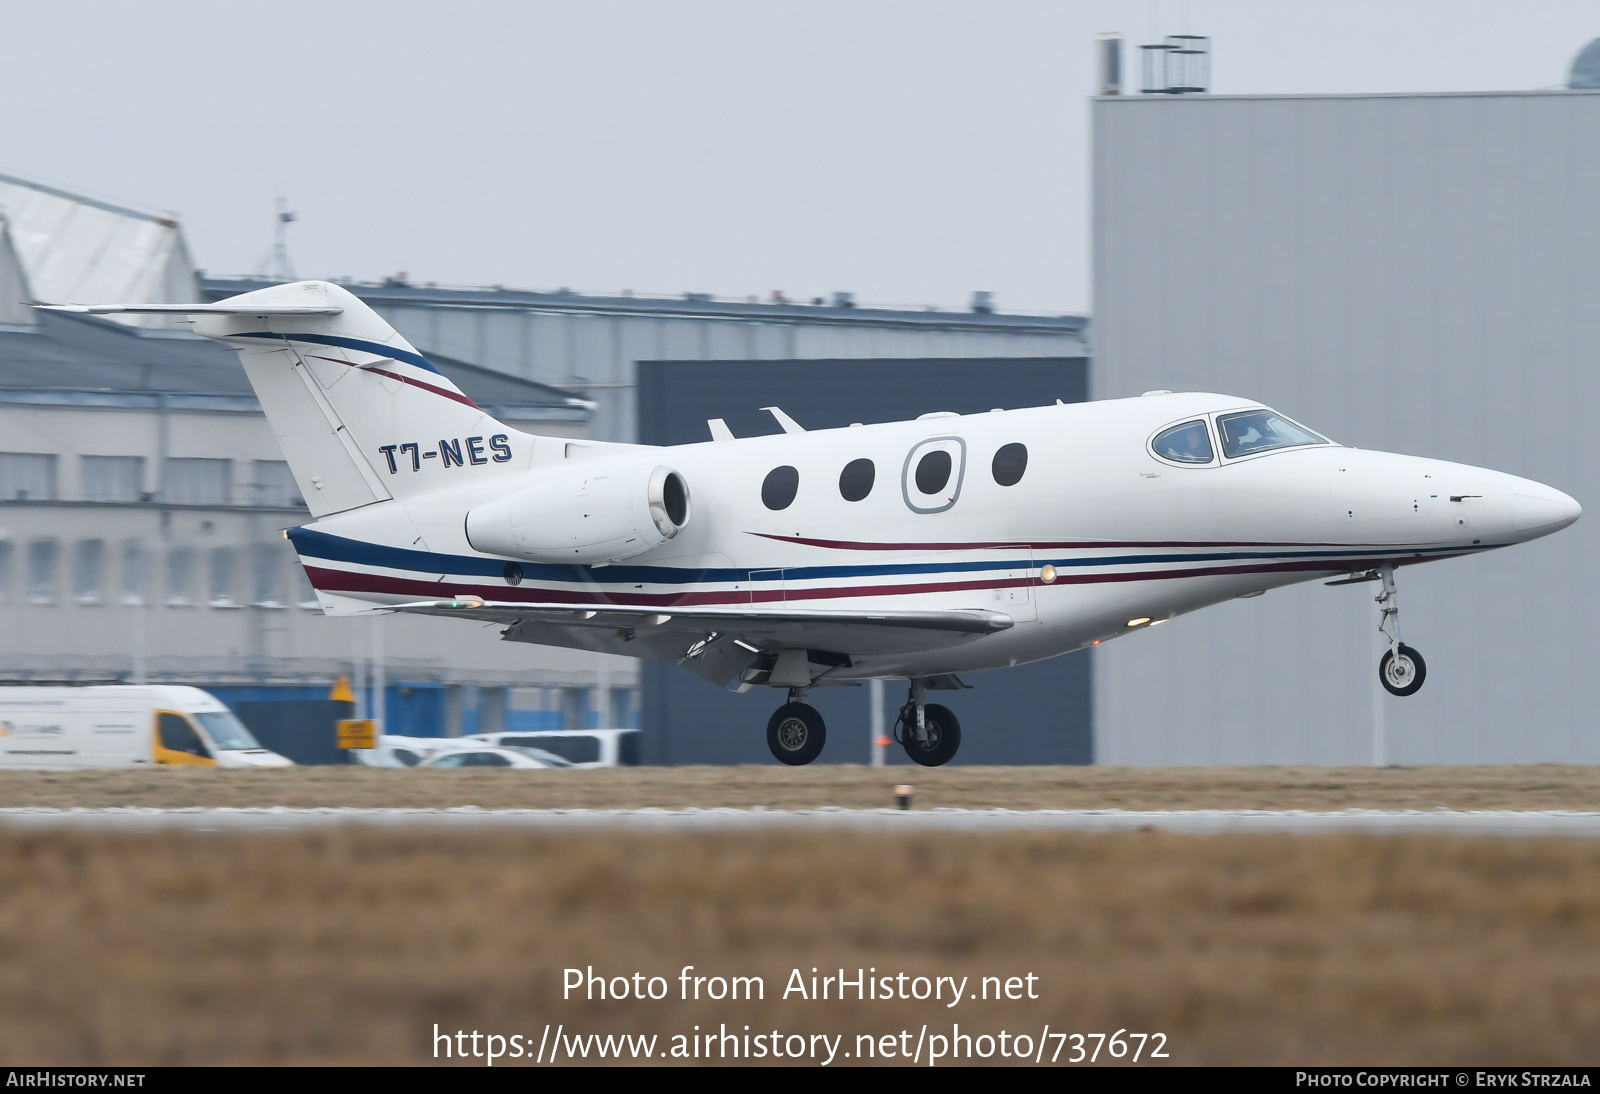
1410	273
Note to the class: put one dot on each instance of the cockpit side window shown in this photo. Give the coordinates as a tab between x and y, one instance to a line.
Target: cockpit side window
1186	443
1261	431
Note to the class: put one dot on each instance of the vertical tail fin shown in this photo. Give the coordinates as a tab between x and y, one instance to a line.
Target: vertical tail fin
360	414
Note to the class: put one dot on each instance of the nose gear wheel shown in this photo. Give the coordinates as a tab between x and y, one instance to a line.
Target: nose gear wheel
1402	669
1403	674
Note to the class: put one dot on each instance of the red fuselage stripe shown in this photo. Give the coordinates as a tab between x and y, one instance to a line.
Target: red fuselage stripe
1012	544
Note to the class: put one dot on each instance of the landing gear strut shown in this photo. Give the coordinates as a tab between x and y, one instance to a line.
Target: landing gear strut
930	733
795	732
1402	669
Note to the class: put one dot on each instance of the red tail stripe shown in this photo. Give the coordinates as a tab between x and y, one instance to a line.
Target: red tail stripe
446	392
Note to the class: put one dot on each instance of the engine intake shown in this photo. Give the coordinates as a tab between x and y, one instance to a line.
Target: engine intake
599	512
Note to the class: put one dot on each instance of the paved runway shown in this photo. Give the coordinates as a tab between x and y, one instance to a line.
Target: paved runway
1196	822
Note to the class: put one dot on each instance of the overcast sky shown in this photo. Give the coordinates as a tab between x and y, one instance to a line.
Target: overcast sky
909	152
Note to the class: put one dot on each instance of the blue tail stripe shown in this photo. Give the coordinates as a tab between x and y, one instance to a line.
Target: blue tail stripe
346	343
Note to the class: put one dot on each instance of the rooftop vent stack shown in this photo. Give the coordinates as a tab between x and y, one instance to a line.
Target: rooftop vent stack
1110	48
983	302
1181	65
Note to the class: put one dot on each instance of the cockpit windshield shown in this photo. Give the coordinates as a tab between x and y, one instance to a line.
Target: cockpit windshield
226	731
1261	431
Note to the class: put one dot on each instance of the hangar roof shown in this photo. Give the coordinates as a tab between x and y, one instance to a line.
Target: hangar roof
841	310
73	360
75	249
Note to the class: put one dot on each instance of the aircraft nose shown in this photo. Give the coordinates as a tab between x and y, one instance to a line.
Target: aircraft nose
1538	510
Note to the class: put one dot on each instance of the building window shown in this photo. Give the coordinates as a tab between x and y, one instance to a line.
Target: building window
88	569
222	578
267	572
199	482
27	476
180	576
8	553
574	707
272	485
135	572
112	478
44	556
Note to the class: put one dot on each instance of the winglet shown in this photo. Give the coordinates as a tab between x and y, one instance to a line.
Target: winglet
719	429
788	423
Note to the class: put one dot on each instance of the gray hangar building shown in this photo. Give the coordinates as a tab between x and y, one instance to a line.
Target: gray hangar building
1411	273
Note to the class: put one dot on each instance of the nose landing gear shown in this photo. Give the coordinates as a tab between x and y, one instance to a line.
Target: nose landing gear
1402	669
796	732
930	733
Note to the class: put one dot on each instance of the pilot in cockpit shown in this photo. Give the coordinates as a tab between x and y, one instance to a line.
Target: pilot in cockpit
1192	445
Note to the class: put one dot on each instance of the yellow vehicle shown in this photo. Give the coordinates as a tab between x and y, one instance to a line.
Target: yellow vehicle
123	726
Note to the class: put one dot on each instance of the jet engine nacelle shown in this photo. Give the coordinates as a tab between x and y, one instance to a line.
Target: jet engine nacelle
599	512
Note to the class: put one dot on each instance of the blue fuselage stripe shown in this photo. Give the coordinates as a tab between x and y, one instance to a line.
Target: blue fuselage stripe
331	548
346	343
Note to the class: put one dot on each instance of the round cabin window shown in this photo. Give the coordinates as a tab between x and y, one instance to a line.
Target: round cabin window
855	481
779	488
1009	464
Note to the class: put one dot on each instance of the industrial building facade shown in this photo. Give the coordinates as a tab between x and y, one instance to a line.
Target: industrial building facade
1412	273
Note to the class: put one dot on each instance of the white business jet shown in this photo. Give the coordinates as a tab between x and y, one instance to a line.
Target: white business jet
912	550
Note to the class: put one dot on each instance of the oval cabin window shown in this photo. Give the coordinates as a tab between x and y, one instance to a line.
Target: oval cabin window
933	471
779	488
855	481
1009	464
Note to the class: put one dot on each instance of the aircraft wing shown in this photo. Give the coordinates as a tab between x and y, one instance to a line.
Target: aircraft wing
718	643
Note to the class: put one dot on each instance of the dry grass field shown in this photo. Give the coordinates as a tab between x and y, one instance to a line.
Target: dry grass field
1314	788
347	945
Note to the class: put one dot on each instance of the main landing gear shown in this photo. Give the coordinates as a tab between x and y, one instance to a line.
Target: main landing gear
795	732
928	732
1402	669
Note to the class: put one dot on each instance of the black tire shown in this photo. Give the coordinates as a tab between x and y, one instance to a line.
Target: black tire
1403	677
944	736
796	734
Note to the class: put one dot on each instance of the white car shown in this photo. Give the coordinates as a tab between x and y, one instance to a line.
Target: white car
495	757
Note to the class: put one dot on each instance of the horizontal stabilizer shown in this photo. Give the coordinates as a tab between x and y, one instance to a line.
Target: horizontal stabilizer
188	309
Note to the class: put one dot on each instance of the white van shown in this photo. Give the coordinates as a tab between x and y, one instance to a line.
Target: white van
123	727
